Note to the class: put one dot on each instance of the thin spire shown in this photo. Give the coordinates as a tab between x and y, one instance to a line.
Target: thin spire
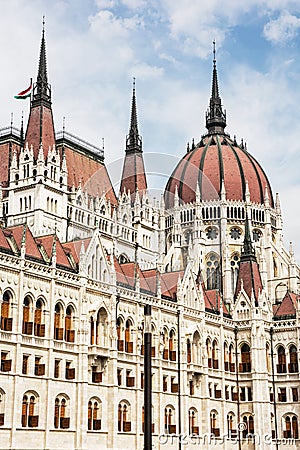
215	117
133	140
22	128
248	251
42	89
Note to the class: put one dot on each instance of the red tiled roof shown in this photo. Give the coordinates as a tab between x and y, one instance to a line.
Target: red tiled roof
169	283
3	241
212	300
61	257
133	176
40	114
288	306
75	247
208	164
31	247
249	273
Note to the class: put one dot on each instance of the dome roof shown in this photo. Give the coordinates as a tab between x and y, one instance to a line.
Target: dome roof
215	159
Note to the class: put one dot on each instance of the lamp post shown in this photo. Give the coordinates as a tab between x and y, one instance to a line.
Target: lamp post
147	380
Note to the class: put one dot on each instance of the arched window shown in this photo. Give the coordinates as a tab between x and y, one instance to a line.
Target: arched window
226	357
293	365
215	355
232	433
231	358
128	337
196	353
213	424
30	417
245	365
248	426
281	366
101	328
143	420
27	324
212	271
172	351
69	326
268	359
6	320
61	412
124	423
165	337
39	327
58	328
120	334
188	351
234	263
193	427
170	427
94	414
208	352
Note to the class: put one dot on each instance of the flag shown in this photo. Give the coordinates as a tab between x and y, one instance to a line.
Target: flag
24	94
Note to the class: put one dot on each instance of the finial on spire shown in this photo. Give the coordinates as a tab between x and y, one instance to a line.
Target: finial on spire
43	28
133	140
215	117
41	89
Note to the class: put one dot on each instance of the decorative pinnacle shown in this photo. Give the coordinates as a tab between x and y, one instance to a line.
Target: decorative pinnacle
215	117
248	251
133	140
42	89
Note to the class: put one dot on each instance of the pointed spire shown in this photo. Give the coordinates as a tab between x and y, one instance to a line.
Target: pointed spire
22	129
248	251
223	190
133	140
215	117
41	89
247	192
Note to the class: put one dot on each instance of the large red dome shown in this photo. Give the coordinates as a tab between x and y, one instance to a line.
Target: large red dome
217	157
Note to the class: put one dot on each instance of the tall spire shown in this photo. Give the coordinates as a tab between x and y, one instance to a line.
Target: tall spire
248	251
40	126
215	117
133	140
133	175
41	89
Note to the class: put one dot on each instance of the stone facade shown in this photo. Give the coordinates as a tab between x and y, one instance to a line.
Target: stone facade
77	266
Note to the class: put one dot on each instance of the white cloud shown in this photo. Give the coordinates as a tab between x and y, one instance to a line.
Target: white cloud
283	29
105	4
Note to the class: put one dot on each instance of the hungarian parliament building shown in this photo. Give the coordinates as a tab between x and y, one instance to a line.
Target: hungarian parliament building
79	262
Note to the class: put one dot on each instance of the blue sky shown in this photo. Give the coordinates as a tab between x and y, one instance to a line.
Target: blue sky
95	47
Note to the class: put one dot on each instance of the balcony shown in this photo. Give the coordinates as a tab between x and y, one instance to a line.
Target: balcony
6	323
170	429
